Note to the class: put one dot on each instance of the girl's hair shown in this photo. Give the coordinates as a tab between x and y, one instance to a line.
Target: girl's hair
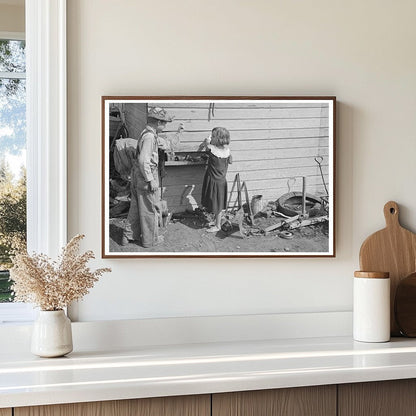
221	136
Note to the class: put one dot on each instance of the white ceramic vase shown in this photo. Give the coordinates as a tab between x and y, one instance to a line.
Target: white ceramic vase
52	334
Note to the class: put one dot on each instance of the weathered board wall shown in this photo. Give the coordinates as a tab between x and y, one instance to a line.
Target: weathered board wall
134	115
273	146
136	118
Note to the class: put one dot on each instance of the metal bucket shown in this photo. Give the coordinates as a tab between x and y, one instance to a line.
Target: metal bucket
257	204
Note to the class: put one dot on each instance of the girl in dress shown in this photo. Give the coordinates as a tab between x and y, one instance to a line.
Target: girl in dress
214	187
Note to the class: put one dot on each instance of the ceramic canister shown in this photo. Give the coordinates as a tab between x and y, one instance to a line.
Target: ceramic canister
371	309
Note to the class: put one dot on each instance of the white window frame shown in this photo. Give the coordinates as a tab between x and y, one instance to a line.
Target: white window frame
46	134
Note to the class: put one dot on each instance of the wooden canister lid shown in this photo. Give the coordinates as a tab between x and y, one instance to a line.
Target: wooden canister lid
372	275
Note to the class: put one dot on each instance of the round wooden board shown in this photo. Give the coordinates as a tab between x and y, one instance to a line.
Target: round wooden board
405	306
393	250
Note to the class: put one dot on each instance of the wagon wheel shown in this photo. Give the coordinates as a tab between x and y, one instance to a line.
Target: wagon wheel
289	209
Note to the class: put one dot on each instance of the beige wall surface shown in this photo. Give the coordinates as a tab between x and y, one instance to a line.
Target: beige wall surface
12	18
363	52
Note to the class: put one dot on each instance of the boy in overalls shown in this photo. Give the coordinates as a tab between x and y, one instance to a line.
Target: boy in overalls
143	217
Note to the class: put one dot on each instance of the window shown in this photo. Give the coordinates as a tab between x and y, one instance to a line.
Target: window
46	135
12	155
12	165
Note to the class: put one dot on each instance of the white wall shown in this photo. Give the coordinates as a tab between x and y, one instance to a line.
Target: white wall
361	51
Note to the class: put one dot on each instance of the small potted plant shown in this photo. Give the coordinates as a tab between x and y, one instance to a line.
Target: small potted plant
52	286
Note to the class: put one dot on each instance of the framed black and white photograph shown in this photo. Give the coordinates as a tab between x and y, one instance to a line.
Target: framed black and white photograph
218	176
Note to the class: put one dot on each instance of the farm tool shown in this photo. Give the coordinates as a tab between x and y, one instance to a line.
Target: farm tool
237	215
234	214
319	160
294	222
324	198
163	207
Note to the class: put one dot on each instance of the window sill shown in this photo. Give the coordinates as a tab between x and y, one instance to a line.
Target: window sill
16	313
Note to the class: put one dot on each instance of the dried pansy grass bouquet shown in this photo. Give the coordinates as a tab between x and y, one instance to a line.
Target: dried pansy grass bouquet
53	285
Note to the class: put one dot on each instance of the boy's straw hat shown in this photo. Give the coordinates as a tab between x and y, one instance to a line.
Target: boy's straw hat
159	114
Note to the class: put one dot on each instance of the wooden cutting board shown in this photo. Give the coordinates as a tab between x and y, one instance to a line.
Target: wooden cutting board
393	250
405	306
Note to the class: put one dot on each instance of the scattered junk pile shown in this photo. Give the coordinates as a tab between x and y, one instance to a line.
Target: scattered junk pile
122	153
292	210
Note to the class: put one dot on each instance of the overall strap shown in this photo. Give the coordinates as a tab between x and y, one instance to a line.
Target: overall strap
145	131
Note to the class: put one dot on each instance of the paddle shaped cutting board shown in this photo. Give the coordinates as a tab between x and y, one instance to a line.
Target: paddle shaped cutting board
393	250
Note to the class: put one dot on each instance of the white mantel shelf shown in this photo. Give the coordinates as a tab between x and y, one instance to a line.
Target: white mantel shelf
151	371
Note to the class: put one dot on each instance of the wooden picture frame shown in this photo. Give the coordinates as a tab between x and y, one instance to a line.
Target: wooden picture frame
279	196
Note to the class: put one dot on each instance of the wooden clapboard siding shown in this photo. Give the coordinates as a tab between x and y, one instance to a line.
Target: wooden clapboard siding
271	168
136	118
272	185
247	124
235	105
244	156
254	135
270	143
290	163
249	113
272	179
259	144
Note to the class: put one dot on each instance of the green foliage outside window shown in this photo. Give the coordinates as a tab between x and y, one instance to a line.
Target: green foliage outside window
12	224
12	148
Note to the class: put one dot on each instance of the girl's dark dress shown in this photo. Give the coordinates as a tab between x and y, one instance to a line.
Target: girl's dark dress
214	187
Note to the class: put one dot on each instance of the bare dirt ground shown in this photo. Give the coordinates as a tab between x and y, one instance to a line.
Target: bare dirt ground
188	234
